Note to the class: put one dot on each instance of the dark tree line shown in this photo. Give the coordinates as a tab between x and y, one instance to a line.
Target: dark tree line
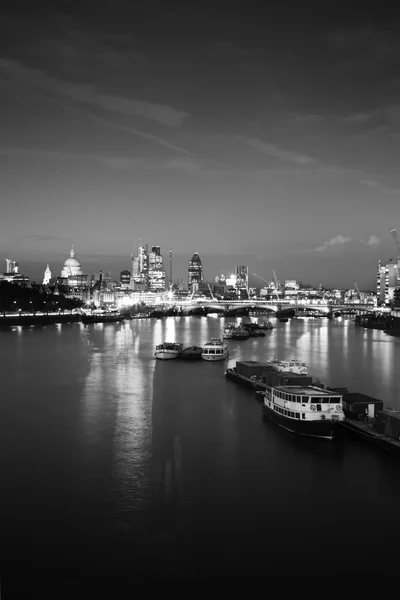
34	298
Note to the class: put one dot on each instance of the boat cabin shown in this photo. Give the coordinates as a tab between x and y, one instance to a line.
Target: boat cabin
304	402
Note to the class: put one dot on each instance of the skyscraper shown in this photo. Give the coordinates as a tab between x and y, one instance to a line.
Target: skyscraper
242	277
386	280
140	268
156	274
195	271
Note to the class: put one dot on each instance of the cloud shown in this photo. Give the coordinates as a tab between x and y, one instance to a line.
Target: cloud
380	187
358	118
338	240
87	94
277	152
373	240
115	162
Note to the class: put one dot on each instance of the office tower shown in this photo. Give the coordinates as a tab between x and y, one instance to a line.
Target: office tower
386	281
242	277
156	274
195	271
11	266
125	279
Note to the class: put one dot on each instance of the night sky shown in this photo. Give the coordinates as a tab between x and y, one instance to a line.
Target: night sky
250	134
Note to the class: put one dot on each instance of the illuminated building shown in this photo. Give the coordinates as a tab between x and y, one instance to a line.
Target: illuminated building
125	279
387	279
140	268
242	277
72	266
47	276
11	266
195	271
11	275
156	274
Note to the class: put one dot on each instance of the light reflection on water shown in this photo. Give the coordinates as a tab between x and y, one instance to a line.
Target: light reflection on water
150	459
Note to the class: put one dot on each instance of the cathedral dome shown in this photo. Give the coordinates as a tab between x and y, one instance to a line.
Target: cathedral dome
72	266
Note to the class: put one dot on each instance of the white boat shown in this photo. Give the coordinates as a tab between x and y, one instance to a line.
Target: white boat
215	349
293	366
168	350
306	410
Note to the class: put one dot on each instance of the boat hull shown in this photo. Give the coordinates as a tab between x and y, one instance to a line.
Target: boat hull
102	318
191	353
214	357
165	355
319	429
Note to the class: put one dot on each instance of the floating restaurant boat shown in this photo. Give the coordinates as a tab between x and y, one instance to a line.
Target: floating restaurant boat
191	353
102	316
306	410
215	349
292	366
168	350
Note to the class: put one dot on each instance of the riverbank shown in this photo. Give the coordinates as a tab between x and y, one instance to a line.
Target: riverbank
12	321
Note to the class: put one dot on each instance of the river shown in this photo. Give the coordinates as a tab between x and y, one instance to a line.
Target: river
113	463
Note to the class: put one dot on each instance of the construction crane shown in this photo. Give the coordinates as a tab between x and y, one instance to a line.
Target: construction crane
210	290
276	284
262	279
357	289
396	240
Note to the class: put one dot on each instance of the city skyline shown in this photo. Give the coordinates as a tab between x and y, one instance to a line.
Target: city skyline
248	136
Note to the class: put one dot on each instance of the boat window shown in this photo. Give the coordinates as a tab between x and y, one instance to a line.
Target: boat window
303	416
325	400
305	399
297	415
319	407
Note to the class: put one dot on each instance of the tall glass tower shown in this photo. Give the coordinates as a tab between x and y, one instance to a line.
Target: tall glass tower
195	271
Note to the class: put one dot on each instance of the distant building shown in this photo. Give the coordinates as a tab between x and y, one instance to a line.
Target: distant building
47	276
140	269
242	277
195	272
125	279
72	266
12	275
387	279
156	273
11	266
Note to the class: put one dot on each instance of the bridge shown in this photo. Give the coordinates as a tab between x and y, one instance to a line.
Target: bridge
269	305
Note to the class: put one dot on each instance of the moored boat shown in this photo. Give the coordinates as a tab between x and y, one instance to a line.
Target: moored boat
292	366
102	316
215	349
168	350
228	331
240	333
191	353
265	325
305	410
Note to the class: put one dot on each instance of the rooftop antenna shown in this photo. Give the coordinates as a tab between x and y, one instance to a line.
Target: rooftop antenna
170	269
